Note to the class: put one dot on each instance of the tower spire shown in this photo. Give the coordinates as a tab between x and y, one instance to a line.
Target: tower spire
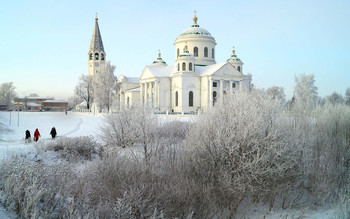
96	41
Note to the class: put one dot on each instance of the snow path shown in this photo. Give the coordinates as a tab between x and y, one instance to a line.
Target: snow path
77	128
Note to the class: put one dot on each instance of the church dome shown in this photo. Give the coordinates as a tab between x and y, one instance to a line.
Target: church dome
159	60
195	30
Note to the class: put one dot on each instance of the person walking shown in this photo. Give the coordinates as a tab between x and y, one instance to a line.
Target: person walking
36	135
28	137
53	132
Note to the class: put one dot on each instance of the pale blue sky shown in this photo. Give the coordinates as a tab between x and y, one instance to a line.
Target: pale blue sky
44	44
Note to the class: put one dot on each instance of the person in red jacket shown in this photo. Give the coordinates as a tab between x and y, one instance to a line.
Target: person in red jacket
36	135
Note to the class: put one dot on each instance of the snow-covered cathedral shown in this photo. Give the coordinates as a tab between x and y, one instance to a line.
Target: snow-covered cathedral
192	84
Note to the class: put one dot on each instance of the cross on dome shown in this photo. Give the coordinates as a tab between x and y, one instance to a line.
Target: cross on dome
96	19
195	18
159	53
233	51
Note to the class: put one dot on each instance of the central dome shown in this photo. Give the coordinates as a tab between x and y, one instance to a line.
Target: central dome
195	30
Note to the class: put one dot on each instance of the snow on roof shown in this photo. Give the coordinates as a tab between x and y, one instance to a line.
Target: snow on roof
210	69
55	101
84	103
161	70
133	80
133	90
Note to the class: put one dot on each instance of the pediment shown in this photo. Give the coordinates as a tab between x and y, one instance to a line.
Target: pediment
146	74
227	70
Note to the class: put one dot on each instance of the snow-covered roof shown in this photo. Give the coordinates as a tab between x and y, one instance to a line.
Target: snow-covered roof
84	103
128	79
161	70
133	90
209	70
54	101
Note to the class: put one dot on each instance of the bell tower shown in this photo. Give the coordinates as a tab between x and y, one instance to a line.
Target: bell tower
96	55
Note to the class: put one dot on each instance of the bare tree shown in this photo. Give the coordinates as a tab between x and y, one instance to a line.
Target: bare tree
335	98
84	89
104	83
33	95
7	93
347	96
276	93
305	92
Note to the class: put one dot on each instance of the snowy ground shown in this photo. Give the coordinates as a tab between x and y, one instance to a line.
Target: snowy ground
83	124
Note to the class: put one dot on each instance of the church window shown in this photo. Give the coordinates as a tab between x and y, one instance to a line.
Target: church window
90	57
190	98
183	66
214	97
96	56
190	66
233	85
195	51
127	103
215	84
178	66
213	53
102	56
206	52
176	98
239	68
178	52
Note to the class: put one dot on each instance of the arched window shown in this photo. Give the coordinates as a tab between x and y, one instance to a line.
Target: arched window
206	52
239	68
195	51
183	66
176	99
190	98
178	52
214	97
96	56
213	53
102	56
190	66
178	66
90	56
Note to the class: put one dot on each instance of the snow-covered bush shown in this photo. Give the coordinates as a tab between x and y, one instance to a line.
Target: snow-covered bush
241	147
82	147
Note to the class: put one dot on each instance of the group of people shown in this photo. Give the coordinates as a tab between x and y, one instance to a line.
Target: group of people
28	138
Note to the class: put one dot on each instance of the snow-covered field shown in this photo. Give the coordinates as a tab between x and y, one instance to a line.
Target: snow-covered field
82	124
70	125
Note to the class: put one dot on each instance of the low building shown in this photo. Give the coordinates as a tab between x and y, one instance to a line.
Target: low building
55	105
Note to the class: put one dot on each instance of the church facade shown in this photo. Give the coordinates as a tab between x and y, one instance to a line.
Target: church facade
192	84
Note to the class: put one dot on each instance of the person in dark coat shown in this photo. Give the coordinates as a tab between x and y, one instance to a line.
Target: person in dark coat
36	135
28	137
53	133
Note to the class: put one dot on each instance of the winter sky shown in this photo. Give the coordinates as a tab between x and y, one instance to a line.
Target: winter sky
44	44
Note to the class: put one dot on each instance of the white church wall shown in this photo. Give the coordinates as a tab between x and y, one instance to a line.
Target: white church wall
164	94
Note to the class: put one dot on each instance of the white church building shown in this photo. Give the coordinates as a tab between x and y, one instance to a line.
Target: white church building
192	84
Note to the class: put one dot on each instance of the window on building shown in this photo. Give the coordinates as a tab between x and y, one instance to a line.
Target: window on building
183	66
190	98
96	56
215	84
90	57
239	68
213	53
127	103
102	56
190	66
195	51
214	97
176	99
206	52
178	66
178	52
233	85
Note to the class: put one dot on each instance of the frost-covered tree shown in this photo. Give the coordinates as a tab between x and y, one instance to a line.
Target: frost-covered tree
7	93
335	98
305	92
33	95
84	89
347	96
104	83
276	93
